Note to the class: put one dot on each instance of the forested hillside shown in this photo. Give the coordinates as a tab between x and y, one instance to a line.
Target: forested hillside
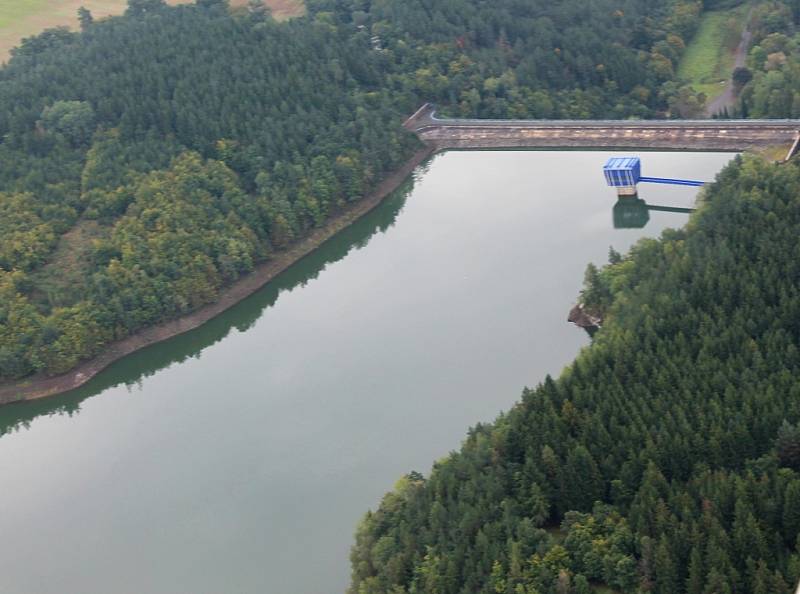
770	84
151	160
528	58
666	459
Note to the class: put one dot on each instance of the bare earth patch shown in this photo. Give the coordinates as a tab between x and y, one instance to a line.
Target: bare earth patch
281	9
64	13
776	152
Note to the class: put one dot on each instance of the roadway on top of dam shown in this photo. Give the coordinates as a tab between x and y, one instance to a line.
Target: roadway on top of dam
725	135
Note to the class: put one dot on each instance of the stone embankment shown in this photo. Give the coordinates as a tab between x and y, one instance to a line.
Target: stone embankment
704	135
582	318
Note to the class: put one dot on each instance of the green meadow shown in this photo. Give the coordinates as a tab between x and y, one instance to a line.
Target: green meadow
710	56
23	18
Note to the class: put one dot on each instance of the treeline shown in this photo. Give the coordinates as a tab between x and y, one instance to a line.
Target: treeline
666	459
152	159
531	58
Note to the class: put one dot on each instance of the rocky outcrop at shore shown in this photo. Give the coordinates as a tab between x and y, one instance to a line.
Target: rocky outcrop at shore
584	319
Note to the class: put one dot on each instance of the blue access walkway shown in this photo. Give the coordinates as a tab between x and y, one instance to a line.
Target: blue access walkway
674	182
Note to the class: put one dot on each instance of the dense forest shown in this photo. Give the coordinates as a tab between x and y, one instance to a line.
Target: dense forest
528	58
152	159
770	83
666	459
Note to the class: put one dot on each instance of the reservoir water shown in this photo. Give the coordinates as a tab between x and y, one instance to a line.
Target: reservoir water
238	459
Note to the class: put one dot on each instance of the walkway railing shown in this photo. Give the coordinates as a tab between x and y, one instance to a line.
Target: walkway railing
673	182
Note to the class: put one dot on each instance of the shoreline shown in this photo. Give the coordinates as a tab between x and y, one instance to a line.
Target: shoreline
36	387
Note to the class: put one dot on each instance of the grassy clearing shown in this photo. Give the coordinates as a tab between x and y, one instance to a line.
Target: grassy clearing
776	152
23	18
13	11
68	267
709	58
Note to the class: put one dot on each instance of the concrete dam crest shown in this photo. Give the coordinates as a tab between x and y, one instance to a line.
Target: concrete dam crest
711	135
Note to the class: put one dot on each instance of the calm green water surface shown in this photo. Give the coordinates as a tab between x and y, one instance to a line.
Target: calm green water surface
238	459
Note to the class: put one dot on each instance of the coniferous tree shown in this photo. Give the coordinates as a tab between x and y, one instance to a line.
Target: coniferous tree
85	18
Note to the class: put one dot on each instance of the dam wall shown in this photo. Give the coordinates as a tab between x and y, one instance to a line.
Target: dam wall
712	135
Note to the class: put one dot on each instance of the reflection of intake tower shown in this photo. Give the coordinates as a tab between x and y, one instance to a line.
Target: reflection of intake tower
631	212
625	173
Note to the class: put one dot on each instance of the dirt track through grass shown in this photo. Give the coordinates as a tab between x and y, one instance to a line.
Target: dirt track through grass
709	58
23	18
